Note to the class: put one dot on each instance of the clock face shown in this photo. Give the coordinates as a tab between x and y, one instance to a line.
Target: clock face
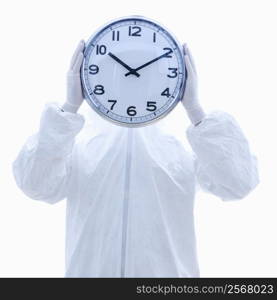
133	71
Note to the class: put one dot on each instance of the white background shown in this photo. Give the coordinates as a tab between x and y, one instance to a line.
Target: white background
235	48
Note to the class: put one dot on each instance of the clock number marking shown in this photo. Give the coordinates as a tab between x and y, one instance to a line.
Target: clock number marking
134	31
99	89
93	69
115	35
131	111
151	105
154	37
113	103
101	49
166	92
169	51
173	73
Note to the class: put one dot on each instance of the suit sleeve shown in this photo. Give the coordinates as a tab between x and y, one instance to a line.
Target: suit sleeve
42	168
225	165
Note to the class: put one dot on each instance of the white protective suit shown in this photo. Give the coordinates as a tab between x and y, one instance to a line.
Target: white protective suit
130	192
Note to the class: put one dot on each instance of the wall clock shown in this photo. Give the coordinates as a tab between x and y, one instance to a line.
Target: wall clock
133	71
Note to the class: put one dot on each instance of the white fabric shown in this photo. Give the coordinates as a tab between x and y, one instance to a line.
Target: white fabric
130	192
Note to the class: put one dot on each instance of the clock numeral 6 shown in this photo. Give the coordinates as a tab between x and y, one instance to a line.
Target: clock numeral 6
131	111
101	49
113	103
93	69
134	31
99	89
151	105
169	51
173	72
165	92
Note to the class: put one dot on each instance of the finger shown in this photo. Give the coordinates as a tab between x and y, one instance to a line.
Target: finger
189	67
79	49
184	48
191	59
78	62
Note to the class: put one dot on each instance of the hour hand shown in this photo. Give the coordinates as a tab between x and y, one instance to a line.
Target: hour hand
131	71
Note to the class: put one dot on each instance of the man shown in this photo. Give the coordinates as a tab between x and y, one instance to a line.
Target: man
130	191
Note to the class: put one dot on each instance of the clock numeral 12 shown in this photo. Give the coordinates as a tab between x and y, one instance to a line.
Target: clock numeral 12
134	31
115	36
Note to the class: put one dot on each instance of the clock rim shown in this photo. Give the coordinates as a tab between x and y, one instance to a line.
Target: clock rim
89	100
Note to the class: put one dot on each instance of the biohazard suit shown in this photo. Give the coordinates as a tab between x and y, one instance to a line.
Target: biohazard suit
130	192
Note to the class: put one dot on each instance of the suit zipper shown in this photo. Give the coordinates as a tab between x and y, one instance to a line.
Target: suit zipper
126	202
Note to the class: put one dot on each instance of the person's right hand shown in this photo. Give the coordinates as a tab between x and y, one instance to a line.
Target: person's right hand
74	97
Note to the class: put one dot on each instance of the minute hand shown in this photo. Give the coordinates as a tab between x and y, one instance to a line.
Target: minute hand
149	63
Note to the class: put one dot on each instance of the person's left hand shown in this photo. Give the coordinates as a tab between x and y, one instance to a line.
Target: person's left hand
190	99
